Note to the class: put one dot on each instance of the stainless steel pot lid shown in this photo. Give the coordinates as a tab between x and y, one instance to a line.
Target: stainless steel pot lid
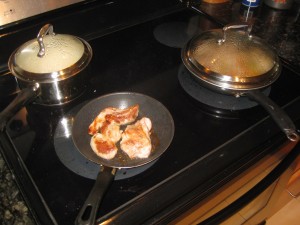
231	58
50	57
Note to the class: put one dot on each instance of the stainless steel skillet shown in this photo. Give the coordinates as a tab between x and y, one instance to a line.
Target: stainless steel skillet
161	137
233	62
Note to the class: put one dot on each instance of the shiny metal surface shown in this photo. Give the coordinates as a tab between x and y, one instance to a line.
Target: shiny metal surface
26	63
235	84
58	92
227	67
47	29
14	10
48	77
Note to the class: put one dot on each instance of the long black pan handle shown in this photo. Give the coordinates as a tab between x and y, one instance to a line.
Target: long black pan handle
88	212
24	97
279	116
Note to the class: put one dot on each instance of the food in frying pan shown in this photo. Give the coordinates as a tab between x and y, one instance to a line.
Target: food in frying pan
105	128
114	115
111	130
103	146
136	142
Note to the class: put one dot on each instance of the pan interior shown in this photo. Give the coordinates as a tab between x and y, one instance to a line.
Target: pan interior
162	122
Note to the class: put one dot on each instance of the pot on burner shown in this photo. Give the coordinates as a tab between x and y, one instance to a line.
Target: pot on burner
231	61
50	70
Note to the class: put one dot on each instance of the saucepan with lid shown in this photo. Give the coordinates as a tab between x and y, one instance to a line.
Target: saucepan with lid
50	70
234	62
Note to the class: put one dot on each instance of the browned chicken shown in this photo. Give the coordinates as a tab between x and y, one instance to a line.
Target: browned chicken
103	147
136	142
106	129
111	131
114	115
123	116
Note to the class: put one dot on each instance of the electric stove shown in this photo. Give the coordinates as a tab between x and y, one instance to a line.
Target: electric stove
210	136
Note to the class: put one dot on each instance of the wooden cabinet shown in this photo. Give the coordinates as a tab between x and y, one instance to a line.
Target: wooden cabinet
264	205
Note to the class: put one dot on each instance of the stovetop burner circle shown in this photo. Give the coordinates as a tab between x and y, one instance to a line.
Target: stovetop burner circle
174	34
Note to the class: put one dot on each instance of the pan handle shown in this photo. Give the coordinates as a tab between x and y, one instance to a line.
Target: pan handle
24	96
279	116
87	214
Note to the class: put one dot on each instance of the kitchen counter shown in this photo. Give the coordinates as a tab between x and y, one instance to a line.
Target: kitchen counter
13	208
279	28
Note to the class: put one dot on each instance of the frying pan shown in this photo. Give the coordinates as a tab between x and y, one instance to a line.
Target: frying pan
237	63
161	137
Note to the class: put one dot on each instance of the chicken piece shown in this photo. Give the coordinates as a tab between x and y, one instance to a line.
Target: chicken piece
136	142
99	120
111	131
108	123
114	115
103	147
123	116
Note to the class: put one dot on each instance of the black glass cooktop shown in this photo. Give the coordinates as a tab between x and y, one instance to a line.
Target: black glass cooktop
146	59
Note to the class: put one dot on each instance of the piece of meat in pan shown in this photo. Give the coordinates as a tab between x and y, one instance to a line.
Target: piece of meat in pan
103	147
114	115
136	142
111	131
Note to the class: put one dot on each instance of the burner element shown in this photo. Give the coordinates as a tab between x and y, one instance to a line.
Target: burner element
212	98
74	160
174	34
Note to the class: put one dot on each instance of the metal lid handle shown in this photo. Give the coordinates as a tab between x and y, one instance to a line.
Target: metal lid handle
47	29
234	26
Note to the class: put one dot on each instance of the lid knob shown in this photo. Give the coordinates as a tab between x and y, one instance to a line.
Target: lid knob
46	29
234	26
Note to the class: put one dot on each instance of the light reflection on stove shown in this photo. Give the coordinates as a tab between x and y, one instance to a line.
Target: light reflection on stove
64	128
66	125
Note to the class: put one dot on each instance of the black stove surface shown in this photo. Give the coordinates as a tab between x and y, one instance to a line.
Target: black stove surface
142	59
